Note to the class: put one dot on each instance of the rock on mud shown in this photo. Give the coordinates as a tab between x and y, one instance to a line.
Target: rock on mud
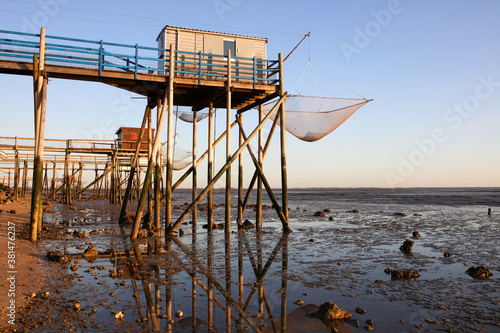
399	214
247	225
91	251
330	311
320	214
58	256
479	272
407	245
402	274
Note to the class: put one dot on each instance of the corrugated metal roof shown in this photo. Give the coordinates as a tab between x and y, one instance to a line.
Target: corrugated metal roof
169	27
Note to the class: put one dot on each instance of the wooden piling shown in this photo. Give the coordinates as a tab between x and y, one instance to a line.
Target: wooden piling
227	220
210	198
170	140
240	179
53	181
25	180
258	208
157	175
133	166
150	188
16	176
194	175
40	99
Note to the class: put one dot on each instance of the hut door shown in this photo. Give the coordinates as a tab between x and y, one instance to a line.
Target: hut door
230	45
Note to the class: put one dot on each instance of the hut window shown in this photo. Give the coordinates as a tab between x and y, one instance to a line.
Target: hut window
230	45
133	136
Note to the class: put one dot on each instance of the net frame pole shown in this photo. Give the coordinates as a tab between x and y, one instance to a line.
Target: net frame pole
284	180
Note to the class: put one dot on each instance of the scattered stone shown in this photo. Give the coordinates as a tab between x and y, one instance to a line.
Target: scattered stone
312	240
76	306
360	310
330	218
399	214
80	234
339	263
330	311
446	254
417	214
402	274
248	225
327	210
73	267
369	322
320	214
119	316
368	328
407	245
489	211
94	232
47	210
430	321
479	272
59	257
355	211
143	233
179	314
91	251
299	302
416	234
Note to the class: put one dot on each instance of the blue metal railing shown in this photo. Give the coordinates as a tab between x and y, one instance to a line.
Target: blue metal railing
100	55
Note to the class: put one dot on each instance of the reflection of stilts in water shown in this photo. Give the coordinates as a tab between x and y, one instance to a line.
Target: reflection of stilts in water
193	276
227	243
260	269
151	312
213	282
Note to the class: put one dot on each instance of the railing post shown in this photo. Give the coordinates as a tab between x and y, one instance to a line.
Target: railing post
254	73
199	67
101	57
136	60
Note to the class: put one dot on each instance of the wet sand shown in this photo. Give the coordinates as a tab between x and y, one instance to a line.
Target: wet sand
342	261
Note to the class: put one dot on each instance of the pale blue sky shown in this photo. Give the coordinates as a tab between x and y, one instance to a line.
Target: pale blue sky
432	68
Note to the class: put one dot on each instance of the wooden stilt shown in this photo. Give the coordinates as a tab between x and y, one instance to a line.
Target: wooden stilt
170	141
133	165
195	181
240	179
40	97
210	198
67	186
25	179
227	220
46	180
258	208
80	178
158	169
150	189
53	182
16	175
